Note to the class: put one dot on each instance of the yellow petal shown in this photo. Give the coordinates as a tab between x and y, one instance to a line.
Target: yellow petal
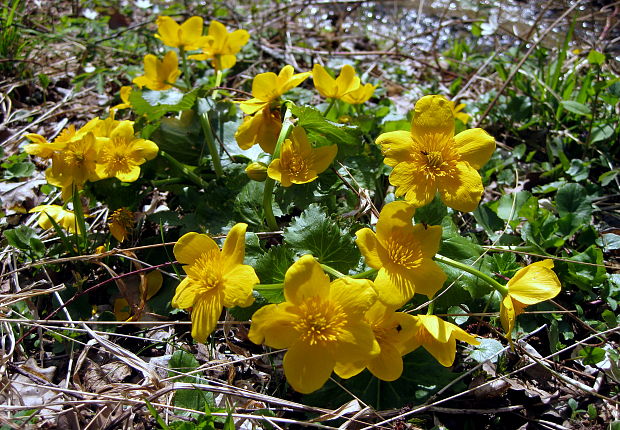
323	157
274	171
369	246
274	326
185	294
388	365
307	367
168	31
361	95
395	215
130	176
262	128
253	105
233	250
397	146
226	61
191	31
237	39
191	246
433	115
304	279
356	342
355	296
428	277
534	283
428	237
463	190
444	353
410	182
217	30
205	315
323	82
475	146
394	288
347	81
349	369
144	149
507	316
238	286
264	88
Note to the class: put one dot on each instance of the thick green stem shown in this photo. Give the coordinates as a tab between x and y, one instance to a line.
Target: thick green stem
332	271
210	141
366	274
287	126
465	268
184	170
218	82
269	286
186	75
331	104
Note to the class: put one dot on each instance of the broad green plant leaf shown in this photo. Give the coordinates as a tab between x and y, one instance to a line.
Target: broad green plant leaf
576	107
155	104
313	232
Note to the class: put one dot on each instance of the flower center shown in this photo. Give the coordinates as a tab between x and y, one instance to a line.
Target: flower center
402	255
74	157
319	321
115	157
206	271
437	155
296	164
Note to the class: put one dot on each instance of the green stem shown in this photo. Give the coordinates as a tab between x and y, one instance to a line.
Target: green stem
80	219
186	75
502	248
210	141
431	308
465	268
331	104
269	286
332	271
184	170
366	274
287	126
218	82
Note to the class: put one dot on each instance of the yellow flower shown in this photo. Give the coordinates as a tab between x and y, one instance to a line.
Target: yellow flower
456	111
120	223
530	285
64	218
359	96
299	162
438	337
256	171
221	46
159	75
403	253
214	278
267	87
74	165
187	36
321	324
124	93
40	147
392	331
263	128
332	88
121	155
431	158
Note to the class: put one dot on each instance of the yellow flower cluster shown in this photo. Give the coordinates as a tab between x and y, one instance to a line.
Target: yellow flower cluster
100	149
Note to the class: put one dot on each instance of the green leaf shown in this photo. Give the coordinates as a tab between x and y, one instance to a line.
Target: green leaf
506	203
155	104
184	362
487	350
249	204
431	214
601	132
595	57
576	107
591	355
584	276
488	219
20	237
313	232
322	132
271	266
574	199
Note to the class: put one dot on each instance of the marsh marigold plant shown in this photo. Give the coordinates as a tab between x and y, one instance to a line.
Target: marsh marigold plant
221	47
187	36
215	278
431	159
321	323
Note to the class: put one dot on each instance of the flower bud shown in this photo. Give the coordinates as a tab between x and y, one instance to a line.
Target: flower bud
256	171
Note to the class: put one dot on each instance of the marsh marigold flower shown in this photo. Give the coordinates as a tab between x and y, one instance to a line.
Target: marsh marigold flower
256	171
456	111
63	217
431	158
120	223
124	94
530	285
268	87
361	95
221	47
321	324
299	162
403	253
187	36
214	278
263	128
332	88
159	74
392	330
121	155
438	337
